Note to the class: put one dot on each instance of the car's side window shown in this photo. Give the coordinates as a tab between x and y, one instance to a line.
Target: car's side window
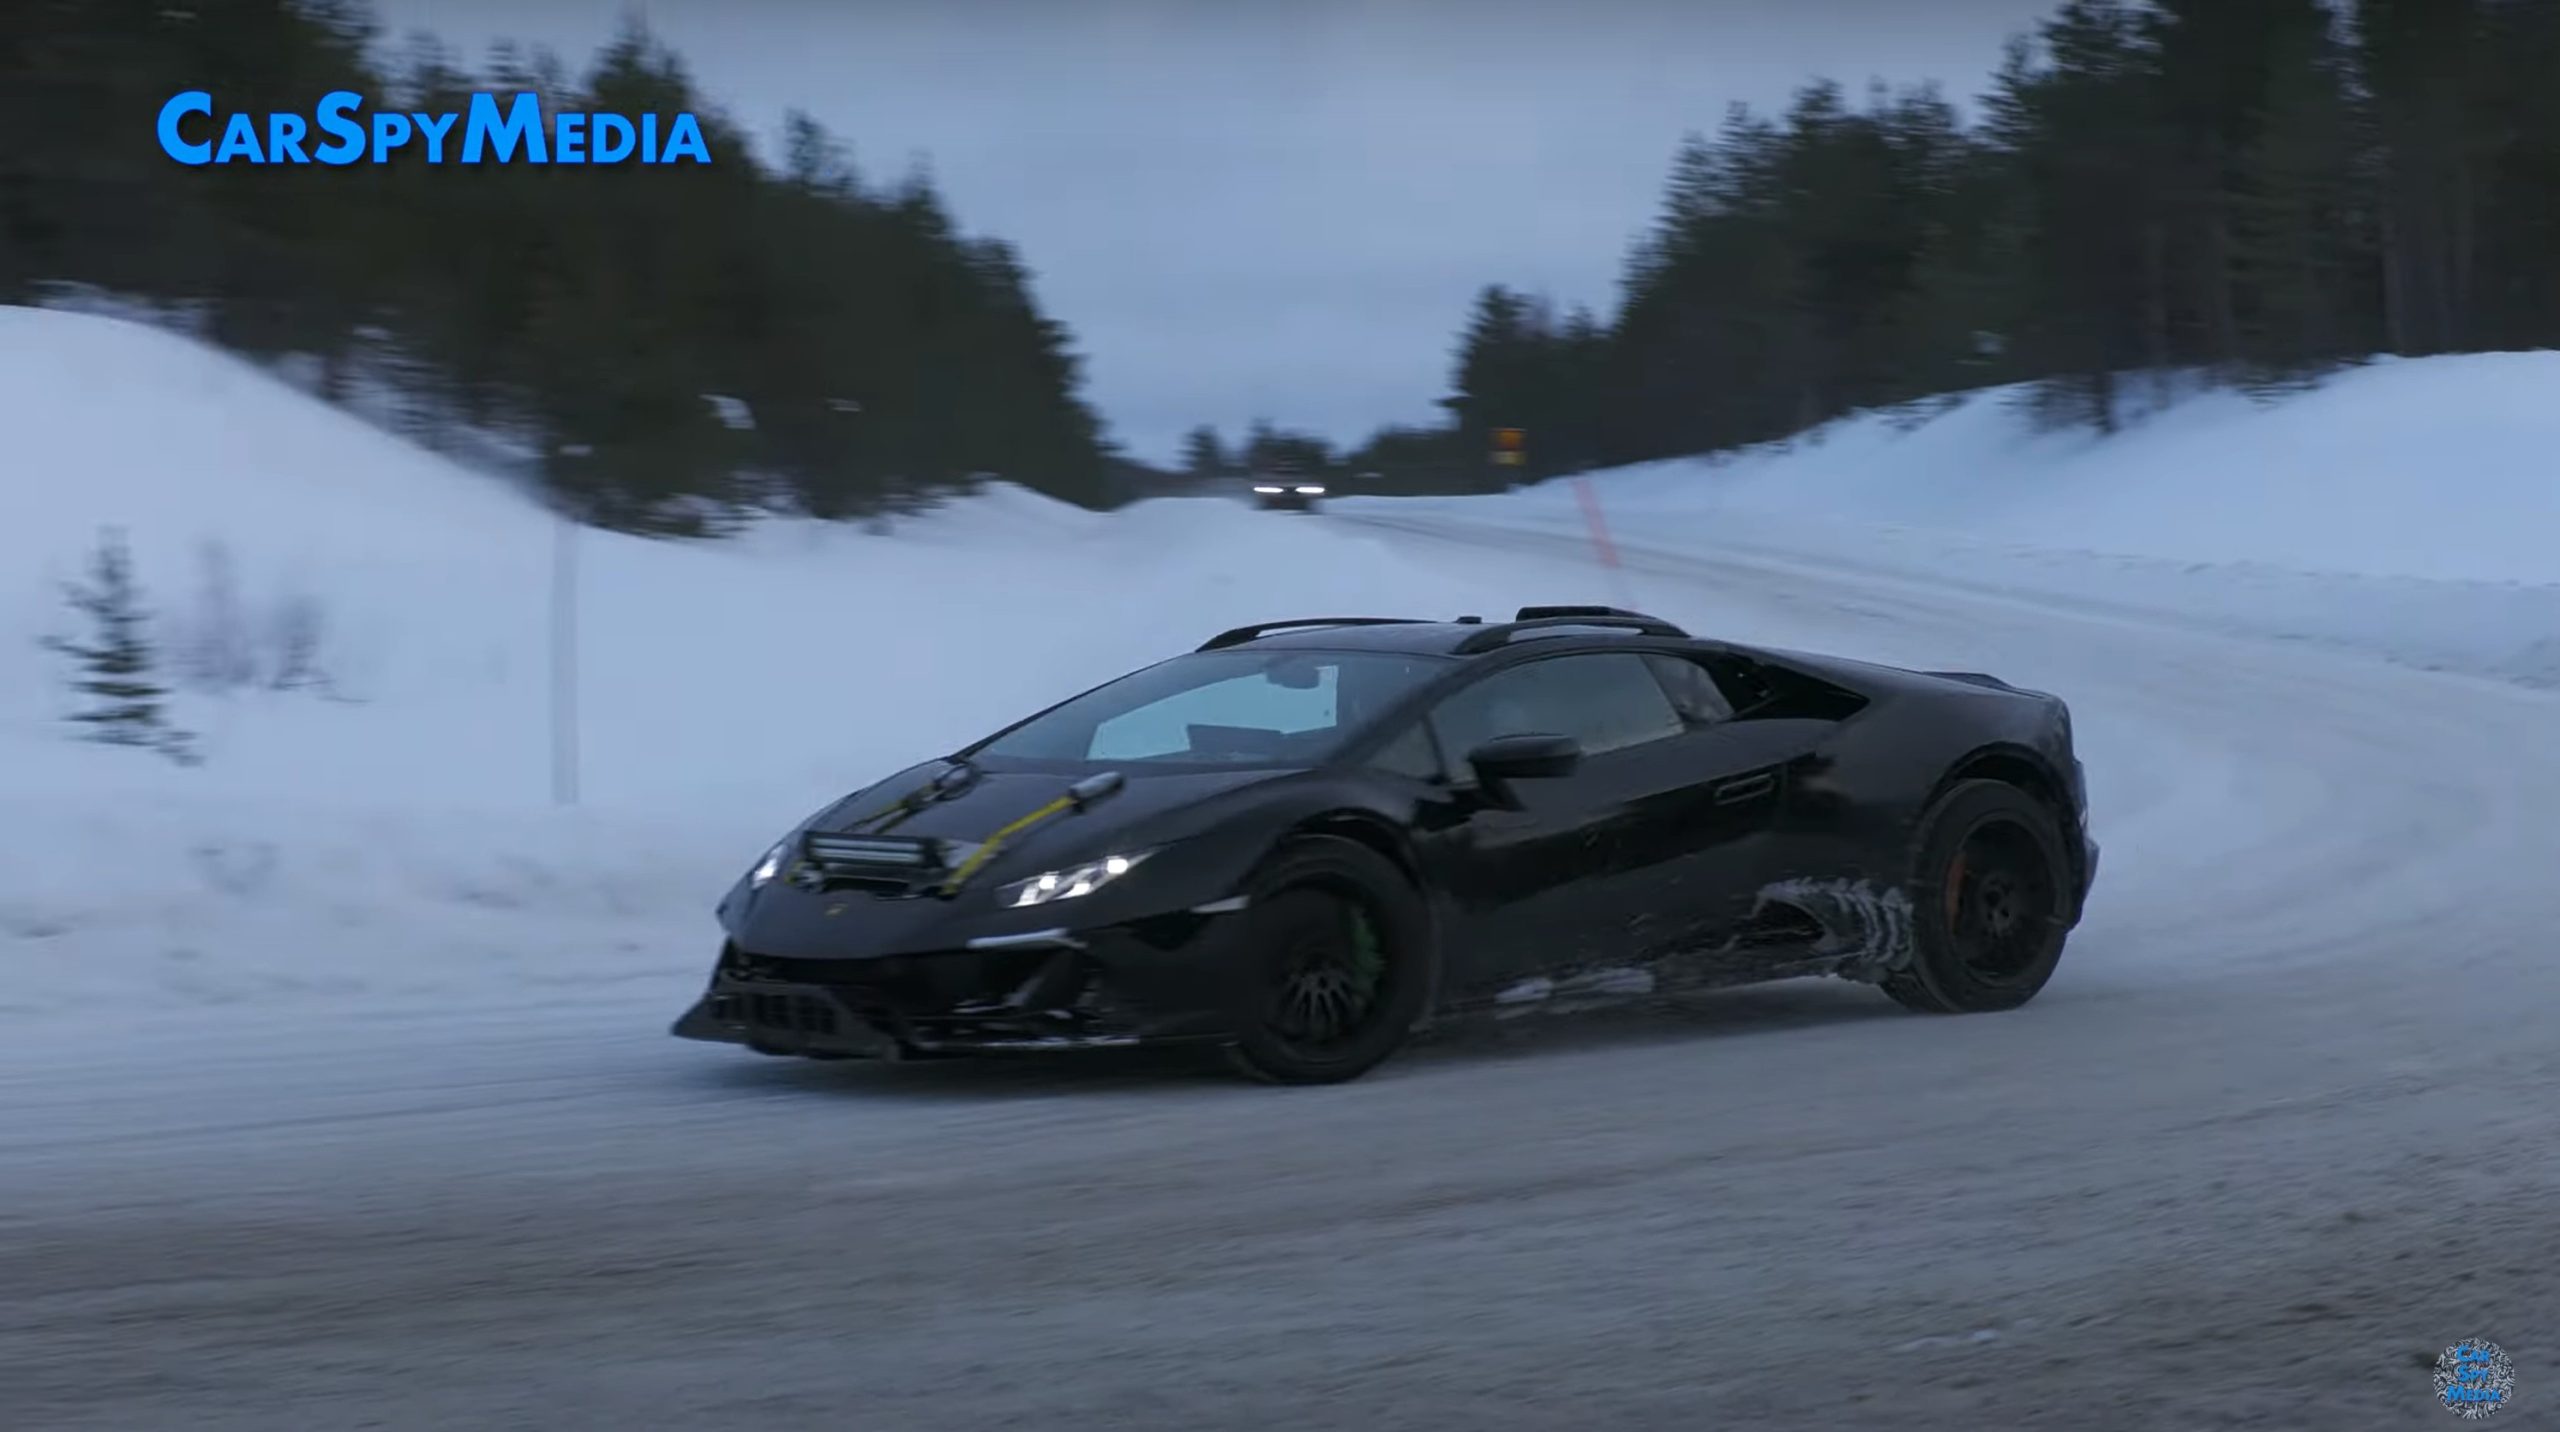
1411	754
1745	686
1693	689
1608	701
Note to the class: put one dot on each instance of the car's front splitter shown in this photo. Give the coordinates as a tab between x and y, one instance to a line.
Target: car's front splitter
1154	983
819	1022
776	1018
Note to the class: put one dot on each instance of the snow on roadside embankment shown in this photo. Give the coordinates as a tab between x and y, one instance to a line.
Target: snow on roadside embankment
2408	509
395	841
398	837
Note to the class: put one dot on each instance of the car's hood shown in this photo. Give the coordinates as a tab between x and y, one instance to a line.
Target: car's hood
783	919
996	799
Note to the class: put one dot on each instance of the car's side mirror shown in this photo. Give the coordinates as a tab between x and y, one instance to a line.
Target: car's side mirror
1525	758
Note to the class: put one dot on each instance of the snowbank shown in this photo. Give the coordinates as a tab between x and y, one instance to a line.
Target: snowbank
2409	509
2445	468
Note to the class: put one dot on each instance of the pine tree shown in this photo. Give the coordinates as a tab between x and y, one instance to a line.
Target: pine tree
1203	455
117	662
1495	381
1277	452
2520	245
2420	63
2301	246
2080	115
2249	189
583	311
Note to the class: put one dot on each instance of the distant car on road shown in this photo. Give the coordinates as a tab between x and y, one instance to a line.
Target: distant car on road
1307	839
1287	494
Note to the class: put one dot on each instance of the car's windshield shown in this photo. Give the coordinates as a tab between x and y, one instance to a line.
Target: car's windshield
1222	708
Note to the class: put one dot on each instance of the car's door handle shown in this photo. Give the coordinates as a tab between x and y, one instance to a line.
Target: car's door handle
1743	788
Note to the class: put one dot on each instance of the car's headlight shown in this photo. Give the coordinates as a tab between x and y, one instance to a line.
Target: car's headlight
1310	490
1069	882
769	867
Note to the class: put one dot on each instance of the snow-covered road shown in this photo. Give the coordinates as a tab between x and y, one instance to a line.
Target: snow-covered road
2278	1133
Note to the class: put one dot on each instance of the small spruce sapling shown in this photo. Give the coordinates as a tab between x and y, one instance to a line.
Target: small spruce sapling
126	705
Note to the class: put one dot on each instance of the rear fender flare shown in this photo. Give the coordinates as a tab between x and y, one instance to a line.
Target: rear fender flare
2013	764
2031	771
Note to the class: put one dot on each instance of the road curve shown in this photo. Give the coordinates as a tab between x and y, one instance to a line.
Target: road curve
2277	1135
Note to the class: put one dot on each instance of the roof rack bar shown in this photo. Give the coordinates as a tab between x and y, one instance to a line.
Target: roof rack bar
1531	614
1240	635
1496	636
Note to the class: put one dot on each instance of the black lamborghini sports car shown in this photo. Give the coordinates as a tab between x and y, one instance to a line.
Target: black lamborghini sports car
1308	839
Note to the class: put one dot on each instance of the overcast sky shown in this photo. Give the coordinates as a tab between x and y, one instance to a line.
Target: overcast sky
1274	208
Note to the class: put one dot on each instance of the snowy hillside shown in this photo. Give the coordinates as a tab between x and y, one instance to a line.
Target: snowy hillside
395	835
724	689
2408	508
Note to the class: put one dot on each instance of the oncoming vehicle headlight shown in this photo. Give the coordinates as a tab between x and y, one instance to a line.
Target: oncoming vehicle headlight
1069	882
1310	490
769	867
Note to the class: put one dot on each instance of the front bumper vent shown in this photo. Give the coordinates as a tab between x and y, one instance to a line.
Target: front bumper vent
781	1013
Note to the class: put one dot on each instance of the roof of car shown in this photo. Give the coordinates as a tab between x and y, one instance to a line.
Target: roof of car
1461	637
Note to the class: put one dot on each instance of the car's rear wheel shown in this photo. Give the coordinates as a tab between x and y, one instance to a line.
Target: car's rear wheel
1991	902
1336	964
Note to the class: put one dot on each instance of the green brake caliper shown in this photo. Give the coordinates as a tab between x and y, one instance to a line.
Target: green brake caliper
1368	962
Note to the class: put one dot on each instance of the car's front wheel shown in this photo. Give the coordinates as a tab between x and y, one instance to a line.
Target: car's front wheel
1991	902
1336	964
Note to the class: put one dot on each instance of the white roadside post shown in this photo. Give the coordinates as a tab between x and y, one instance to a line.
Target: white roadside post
564	658
564	664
